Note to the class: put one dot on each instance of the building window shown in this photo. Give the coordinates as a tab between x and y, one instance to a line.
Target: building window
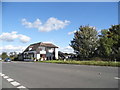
42	48
30	48
50	50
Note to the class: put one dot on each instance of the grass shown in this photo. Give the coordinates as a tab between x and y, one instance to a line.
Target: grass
96	63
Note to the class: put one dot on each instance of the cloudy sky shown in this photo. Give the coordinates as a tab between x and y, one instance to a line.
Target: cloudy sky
24	23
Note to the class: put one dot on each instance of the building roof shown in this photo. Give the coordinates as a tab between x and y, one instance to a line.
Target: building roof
48	45
36	45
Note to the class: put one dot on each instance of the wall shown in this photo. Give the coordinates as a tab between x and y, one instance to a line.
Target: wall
56	53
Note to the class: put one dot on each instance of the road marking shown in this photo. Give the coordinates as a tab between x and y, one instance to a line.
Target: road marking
15	83
10	79
5	77
2	75
21	87
116	78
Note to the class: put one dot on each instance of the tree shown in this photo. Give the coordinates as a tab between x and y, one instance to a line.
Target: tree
110	42
105	44
13	55
114	34
4	55
84	42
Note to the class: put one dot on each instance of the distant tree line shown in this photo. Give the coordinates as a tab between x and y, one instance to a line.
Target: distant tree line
12	55
88	44
3	55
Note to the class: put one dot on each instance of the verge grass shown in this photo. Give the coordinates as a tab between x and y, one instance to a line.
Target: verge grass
96	63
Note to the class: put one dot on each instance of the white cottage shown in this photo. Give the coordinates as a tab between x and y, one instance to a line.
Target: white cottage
41	51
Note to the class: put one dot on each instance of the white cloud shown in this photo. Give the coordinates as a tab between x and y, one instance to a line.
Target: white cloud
11	48
67	49
8	36
35	24
69	33
50	25
23	38
14	35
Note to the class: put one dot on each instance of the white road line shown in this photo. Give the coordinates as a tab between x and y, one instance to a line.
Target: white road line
10	79
116	78
21	87
15	83
2	75
5	77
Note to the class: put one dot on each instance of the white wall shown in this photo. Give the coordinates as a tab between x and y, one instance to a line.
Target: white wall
56	53
38	56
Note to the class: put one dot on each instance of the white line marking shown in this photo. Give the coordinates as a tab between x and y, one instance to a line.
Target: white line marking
2	74
116	78
15	83
5	77
10	79
21	87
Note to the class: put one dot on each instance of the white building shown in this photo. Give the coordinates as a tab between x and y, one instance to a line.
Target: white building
41	51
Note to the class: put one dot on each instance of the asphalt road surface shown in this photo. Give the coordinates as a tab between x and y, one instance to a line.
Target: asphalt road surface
48	75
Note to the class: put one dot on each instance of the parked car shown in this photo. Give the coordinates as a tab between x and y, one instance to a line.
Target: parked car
7	60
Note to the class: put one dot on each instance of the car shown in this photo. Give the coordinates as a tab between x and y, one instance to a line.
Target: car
7	60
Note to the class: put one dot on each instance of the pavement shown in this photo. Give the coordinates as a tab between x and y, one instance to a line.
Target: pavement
48	75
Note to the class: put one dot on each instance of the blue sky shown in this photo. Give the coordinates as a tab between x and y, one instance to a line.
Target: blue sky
18	18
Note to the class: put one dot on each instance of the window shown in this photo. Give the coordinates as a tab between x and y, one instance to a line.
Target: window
50	50
42	48
30	48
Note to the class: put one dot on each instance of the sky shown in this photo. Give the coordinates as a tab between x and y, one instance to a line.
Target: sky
25	23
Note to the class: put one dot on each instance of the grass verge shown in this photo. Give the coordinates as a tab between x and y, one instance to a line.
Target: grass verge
96	63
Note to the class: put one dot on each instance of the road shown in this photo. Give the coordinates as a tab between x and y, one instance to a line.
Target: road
48	75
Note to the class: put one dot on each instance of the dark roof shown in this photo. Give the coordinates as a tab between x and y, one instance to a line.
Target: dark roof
36	45
48	45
